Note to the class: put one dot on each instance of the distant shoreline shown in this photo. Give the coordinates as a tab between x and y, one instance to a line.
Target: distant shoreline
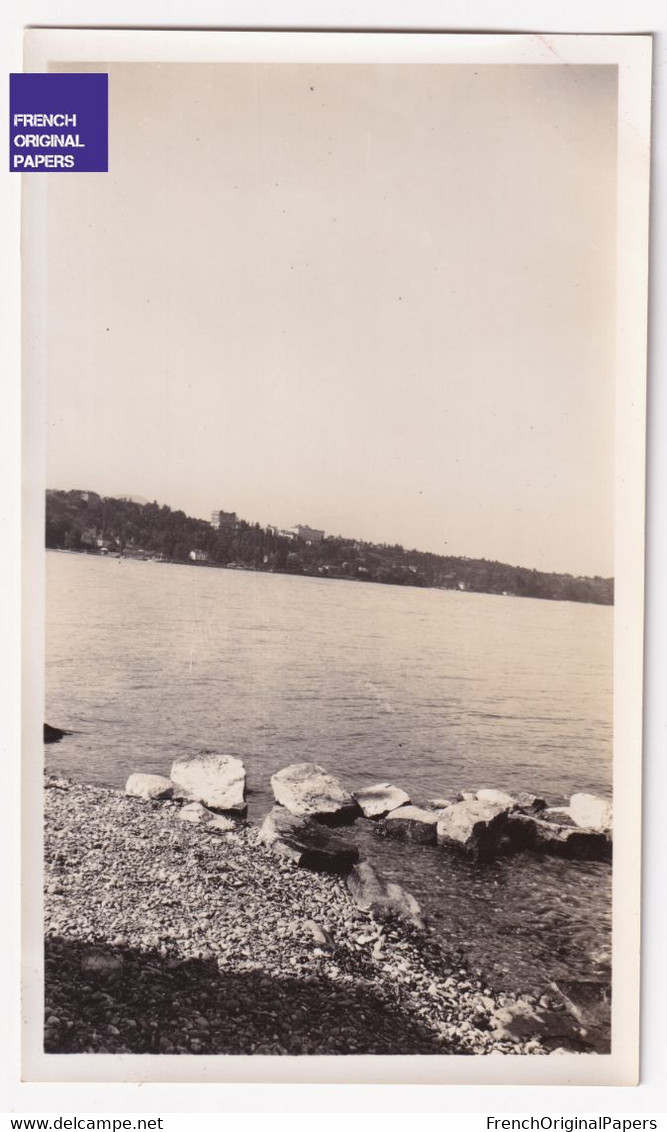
85	521
238	568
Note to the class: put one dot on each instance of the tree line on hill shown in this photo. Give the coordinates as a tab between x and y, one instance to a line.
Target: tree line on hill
85	521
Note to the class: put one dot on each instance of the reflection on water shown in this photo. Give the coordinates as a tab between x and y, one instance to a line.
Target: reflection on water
436	691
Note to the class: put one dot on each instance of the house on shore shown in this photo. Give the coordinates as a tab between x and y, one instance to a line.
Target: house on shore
309	535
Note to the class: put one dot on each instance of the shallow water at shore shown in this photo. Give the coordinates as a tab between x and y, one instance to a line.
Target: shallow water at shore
436	691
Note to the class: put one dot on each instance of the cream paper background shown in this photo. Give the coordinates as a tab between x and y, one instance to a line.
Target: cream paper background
633	59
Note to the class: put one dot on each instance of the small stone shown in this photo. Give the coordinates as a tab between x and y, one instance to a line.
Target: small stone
413	823
371	893
150	787
473	827
318	933
102	966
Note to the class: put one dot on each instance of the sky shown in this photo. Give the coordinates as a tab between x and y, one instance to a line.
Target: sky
376	299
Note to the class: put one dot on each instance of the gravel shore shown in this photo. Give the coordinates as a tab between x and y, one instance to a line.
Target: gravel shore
163	937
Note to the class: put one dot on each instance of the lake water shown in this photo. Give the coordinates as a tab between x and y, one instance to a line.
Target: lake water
436	691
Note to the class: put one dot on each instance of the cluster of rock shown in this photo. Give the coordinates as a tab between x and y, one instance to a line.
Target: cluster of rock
309	801
491	823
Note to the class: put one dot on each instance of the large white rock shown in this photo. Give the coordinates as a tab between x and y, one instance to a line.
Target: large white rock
216	780
308	790
590	812
474	827
150	787
376	801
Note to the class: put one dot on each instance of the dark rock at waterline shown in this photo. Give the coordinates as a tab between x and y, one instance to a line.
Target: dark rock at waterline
412	823
473	827
308	790
54	734
527	832
197	814
384	900
530	803
436	803
307	842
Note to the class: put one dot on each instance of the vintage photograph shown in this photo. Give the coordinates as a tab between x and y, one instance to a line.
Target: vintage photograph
331	424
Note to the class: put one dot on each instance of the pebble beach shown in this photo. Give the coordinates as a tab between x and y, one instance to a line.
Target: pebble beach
166	937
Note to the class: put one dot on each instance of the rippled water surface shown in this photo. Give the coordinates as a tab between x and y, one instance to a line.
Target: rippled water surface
434	690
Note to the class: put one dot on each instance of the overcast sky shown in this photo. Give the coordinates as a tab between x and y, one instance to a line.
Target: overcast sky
375	299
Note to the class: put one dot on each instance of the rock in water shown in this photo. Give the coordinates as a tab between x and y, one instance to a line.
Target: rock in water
474	827
412	823
308	790
527	832
216	780
590	812
307	842
197	814
522	1020
150	787
371	893
498	797
377	801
